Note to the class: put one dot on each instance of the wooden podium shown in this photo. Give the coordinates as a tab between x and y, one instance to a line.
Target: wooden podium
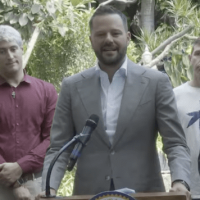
137	196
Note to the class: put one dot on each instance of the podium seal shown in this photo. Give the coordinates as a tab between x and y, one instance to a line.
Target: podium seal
112	195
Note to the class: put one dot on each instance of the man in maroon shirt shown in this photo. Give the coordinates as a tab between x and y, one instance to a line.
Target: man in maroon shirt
27	107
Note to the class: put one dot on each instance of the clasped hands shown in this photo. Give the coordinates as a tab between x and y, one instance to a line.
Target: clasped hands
9	174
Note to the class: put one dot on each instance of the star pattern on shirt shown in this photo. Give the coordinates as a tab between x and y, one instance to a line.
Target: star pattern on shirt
195	117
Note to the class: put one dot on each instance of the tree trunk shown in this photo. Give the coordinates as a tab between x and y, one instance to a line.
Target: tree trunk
30	46
147	15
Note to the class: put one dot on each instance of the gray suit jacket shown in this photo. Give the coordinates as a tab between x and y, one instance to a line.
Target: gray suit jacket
147	106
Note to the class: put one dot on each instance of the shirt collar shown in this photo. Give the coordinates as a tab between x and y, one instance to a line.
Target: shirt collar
122	70
25	79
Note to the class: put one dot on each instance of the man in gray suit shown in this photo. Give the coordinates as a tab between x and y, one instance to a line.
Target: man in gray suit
133	104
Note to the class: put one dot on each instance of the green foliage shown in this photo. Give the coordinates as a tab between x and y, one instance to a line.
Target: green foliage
67	184
182	10
154	39
58	55
76	2
178	68
159	143
177	65
185	13
132	52
24	14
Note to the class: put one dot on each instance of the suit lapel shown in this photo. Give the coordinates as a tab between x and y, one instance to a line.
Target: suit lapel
133	90
90	93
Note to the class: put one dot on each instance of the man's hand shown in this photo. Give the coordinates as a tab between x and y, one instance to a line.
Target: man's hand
43	193
9	173
179	187
22	193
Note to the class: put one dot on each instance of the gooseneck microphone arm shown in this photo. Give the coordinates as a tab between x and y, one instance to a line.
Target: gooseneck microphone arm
48	194
78	138
81	140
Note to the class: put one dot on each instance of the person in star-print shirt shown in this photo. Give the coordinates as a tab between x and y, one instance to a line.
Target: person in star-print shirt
188	103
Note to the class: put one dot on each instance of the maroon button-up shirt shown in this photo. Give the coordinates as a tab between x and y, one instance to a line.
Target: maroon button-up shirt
26	114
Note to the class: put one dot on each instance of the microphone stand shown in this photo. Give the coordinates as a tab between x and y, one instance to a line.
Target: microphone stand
77	138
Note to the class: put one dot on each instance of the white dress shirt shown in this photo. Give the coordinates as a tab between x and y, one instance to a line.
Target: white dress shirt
111	96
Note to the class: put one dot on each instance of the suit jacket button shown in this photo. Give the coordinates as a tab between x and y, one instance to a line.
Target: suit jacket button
112	152
107	178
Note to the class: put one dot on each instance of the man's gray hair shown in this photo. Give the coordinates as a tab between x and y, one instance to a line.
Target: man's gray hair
8	33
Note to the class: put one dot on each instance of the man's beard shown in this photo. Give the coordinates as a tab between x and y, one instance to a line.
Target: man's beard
112	61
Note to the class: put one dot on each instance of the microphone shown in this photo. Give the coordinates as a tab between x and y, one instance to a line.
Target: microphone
83	138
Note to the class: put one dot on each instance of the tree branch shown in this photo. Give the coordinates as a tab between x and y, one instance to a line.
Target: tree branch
30	47
170	39
191	37
120	1
163	54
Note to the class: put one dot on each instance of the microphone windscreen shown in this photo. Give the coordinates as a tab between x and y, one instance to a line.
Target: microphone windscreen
92	121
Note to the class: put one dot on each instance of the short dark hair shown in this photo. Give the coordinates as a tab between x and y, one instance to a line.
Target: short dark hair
108	10
196	42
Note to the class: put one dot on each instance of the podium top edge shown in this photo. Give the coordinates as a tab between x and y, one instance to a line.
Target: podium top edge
150	194
139	195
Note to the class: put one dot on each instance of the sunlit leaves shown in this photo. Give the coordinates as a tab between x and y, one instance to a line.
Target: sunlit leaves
35	8
50	7
64	49
185	13
67	184
62	30
17	2
8	16
14	19
181	10
178	67
23	19
132	52
176	62
31	17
